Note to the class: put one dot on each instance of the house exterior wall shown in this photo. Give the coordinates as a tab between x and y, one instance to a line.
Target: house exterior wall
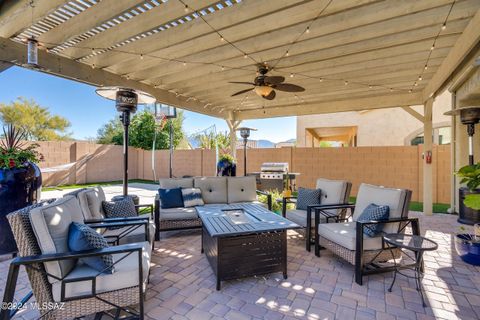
380	127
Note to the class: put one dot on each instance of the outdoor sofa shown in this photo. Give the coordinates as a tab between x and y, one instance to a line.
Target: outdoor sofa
348	240
60	281
215	190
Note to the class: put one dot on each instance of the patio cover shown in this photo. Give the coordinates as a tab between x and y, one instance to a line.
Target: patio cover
348	54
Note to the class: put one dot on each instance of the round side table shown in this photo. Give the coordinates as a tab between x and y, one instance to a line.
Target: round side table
416	244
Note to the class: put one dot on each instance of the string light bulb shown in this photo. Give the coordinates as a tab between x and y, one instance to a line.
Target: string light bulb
425	68
432	47
346	83
444	26
370	86
308	30
420	78
223	68
287	53
291	75
222	39
187	10
245	56
184	64
93	66
321	79
141	56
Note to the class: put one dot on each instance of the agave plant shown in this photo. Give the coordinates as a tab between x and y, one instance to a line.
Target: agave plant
14	151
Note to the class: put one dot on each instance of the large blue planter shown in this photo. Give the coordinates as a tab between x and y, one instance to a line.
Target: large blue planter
18	188
225	168
467	250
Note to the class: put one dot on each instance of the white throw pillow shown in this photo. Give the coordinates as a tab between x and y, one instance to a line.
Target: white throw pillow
192	197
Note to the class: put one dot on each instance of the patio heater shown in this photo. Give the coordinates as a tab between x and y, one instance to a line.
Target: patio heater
245	134
126	101
163	111
469	116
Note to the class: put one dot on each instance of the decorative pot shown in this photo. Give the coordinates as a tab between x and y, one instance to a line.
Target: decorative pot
19	188
468	250
467	215
226	168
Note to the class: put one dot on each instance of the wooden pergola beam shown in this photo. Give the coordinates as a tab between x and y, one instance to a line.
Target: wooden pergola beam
414	114
16	53
464	45
374	102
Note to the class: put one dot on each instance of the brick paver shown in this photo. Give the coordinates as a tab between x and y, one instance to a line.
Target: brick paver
182	285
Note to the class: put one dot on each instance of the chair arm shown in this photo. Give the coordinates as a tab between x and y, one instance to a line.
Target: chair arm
137	206
117	219
361	224
124	248
269	198
115	224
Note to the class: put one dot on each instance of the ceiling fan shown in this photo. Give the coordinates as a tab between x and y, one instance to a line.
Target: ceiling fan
265	86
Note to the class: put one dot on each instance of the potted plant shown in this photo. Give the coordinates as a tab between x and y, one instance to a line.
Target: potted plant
20	180
226	166
468	246
469	206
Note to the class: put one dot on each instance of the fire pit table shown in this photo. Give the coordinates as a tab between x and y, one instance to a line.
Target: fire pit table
243	240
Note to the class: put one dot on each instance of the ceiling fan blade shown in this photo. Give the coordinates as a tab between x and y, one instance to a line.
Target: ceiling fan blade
271	96
242	82
274	79
288	87
240	92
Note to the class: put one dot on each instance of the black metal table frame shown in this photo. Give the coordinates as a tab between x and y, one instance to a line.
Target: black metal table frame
417	266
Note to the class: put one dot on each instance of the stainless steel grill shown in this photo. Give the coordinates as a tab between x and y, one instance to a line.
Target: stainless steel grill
274	175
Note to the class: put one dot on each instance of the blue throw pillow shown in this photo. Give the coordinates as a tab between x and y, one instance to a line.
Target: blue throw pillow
81	237
374	212
171	198
307	197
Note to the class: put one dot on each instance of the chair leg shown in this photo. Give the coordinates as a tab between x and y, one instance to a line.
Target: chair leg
9	293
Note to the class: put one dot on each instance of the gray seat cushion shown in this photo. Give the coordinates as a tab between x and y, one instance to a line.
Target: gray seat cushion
51	224
344	234
241	189
125	275
300	217
214	189
91	203
170	183
178	213
393	198
333	192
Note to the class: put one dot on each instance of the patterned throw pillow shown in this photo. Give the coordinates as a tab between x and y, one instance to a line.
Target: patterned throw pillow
120	209
82	237
192	197
307	197
374	212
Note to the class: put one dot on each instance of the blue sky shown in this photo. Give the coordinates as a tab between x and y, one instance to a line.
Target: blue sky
87	111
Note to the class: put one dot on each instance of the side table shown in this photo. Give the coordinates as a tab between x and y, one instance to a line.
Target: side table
416	244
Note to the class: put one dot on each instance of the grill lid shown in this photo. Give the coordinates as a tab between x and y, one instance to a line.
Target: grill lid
274	167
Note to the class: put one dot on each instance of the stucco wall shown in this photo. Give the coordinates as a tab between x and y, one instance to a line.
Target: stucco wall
380	127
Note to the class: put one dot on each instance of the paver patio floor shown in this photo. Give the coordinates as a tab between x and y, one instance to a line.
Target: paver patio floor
182	285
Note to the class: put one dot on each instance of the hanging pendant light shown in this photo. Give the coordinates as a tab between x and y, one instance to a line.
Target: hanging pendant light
32	52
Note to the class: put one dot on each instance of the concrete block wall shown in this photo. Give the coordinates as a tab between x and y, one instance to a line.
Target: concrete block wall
399	167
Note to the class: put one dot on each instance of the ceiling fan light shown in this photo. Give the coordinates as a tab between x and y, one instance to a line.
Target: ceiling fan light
263	91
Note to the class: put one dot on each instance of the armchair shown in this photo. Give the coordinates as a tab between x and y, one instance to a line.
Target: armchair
347	239
57	279
332	192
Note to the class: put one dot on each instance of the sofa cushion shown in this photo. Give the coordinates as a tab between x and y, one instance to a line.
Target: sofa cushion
120	208
131	235
308	197
125	275
51	225
333	192
214	189
344	234
81	237
170	198
374	213
241	189
178	213
91	203
192	197
169	183
300	217
393	198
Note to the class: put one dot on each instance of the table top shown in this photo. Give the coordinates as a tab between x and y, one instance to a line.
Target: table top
410	242
241	219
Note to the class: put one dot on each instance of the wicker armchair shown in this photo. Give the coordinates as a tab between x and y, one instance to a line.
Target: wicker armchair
332	192
347	240
51	292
